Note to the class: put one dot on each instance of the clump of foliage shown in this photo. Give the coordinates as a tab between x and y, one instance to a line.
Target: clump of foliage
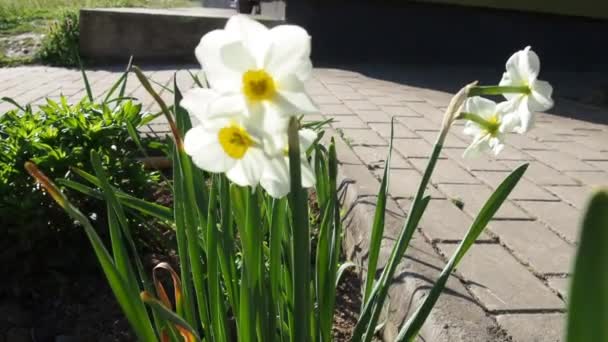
59	136
61	44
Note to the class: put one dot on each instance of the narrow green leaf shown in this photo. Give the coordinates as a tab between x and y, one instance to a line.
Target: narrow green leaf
378	224
410	329
148	208
13	102
127	299
167	314
123	87
87	85
588	299
301	238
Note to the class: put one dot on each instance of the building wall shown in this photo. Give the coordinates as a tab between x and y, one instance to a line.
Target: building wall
583	8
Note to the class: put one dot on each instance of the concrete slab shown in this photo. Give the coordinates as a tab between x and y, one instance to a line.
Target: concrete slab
150	35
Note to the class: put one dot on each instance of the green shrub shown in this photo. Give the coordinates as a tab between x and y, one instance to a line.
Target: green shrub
59	136
61	44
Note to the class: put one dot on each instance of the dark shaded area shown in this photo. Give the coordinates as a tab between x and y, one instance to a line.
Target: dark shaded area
443	47
409	32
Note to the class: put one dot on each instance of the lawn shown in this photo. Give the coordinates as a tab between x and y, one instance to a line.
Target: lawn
24	22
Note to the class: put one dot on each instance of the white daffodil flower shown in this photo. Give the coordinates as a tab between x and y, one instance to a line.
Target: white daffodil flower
276	179
263	69
224	143
487	122
522	71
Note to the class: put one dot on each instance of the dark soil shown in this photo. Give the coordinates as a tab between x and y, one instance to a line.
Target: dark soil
348	305
62	299
58	293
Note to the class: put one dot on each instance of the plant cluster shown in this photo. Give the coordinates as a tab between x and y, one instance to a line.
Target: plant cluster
60	46
240	211
58	136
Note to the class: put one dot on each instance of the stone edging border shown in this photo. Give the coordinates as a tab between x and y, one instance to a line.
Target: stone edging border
457	316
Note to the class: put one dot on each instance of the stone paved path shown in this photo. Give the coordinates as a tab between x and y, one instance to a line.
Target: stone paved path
518	271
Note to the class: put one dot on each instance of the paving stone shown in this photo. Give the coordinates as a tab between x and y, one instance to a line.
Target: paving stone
413	148
536	245
399	131
480	163
373	116
524	190
428	111
446	171
593	179
348	121
561	285
451	141
512	153
362	104
386	100
600	165
542	174
325	99
524	142
404	183
358	175
375	157
561	161
419	124
335	109
579	151
344	152
561	217
574	195
474	196
443	221
537	327
363	136
400	111
500	282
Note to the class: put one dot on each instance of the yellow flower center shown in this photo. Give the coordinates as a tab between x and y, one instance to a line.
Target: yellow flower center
235	141
492	125
258	85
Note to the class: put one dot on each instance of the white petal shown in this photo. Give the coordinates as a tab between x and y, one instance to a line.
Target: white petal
308	174
254	35
307	137
275	179
540	99
229	105
289	52
291	103
196	101
529	64
248	170
480	106
479	144
471	128
495	145
221	77
237	57
526	117
206	152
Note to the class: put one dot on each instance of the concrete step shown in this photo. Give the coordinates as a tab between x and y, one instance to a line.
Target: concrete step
110	35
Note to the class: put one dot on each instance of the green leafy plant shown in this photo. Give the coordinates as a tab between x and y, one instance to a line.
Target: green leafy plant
59	136
588	299
60	46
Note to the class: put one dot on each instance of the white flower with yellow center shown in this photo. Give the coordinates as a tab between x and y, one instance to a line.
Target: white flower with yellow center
262	69
522	70
487	122
224	142
276	177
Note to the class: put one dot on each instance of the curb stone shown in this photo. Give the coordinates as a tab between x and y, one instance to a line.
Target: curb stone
457	317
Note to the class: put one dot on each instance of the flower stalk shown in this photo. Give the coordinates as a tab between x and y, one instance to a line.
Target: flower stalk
498	90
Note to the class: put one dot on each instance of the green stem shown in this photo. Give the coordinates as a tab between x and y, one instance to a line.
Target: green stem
498	90
364	330
300	241
475	118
